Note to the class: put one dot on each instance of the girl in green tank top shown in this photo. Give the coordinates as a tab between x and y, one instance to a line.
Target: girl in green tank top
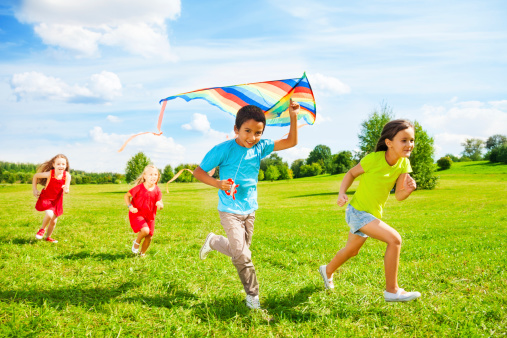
379	172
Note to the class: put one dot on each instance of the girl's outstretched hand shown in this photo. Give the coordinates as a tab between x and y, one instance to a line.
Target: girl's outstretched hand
409	183
133	210
36	192
342	199
65	189
160	204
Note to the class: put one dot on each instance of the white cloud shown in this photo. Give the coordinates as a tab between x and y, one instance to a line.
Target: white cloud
328	84
452	124
295	153
82	26
201	124
103	87
114	119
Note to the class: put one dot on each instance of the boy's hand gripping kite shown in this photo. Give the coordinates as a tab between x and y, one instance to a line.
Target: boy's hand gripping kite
233	190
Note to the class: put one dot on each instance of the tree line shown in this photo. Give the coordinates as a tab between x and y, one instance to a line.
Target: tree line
23	173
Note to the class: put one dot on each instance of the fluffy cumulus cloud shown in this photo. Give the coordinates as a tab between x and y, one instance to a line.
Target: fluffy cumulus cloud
138	27
201	124
328	84
451	124
101	88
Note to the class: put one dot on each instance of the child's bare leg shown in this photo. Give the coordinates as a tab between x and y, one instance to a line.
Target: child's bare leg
142	234
146	244
47	217
51	227
383	232
354	243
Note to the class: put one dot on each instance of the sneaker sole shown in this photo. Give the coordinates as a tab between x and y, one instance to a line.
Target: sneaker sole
408	299
38	237
201	255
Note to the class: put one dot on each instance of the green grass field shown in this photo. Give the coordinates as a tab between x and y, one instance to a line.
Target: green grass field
453	252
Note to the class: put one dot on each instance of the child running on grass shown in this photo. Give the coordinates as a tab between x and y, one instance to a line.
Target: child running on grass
54	176
143	201
380	170
239	160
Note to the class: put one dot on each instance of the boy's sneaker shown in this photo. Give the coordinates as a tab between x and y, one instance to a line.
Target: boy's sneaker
49	239
253	302
401	297
206	248
40	233
134	250
328	282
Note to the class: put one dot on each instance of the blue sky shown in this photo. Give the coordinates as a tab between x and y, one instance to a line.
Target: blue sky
79	77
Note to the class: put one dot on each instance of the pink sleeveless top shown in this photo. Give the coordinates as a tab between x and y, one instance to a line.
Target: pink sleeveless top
51	197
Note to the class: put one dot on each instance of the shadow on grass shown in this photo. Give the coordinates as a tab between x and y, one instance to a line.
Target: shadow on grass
221	309
285	307
97	256
18	240
175	297
74	296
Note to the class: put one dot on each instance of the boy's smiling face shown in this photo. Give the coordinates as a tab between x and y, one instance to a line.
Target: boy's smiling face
249	133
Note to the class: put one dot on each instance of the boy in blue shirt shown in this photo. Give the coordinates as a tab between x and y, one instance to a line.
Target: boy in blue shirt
239	159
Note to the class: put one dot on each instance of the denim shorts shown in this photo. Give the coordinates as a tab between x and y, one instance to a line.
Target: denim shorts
357	219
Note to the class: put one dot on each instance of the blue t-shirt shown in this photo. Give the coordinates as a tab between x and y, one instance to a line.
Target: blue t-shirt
242	165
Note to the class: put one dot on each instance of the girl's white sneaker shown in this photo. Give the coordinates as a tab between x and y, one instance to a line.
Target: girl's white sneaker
134	250
328	282
401	297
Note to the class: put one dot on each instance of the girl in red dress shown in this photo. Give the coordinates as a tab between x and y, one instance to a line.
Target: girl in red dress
55	177
143	201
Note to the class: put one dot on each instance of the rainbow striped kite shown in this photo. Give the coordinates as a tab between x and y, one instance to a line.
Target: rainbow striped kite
271	96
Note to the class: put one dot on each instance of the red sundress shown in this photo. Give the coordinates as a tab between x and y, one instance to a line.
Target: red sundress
51	197
145	201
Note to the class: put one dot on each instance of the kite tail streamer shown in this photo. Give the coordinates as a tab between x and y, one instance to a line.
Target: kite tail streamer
180	172
159	125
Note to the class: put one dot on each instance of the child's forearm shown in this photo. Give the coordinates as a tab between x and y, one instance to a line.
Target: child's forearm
292	138
347	181
203	177
127	199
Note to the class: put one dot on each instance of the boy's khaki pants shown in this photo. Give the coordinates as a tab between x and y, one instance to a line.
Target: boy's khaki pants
239	230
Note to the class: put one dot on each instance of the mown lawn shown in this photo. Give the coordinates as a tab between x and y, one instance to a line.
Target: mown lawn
90	284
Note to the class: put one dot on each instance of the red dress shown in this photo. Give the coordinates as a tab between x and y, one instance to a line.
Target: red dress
145	203
51	197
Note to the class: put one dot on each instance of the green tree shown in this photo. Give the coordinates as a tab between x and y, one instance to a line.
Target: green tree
342	162
421	159
371	129
321	154
285	173
273	159
135	166
296	166
167	174
473	148
495	141
272	173
185	175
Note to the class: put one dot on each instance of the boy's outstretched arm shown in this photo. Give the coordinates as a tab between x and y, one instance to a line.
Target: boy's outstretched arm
292	138
203	176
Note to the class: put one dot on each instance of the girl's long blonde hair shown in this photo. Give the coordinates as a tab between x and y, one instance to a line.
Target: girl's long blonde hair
141	179
50	165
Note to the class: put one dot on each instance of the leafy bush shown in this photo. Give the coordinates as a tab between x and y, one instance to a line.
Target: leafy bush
342	162
498	154
313	169
261	175
444	163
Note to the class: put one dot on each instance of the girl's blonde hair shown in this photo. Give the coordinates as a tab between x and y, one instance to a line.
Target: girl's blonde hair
141	179
389	132
50	165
